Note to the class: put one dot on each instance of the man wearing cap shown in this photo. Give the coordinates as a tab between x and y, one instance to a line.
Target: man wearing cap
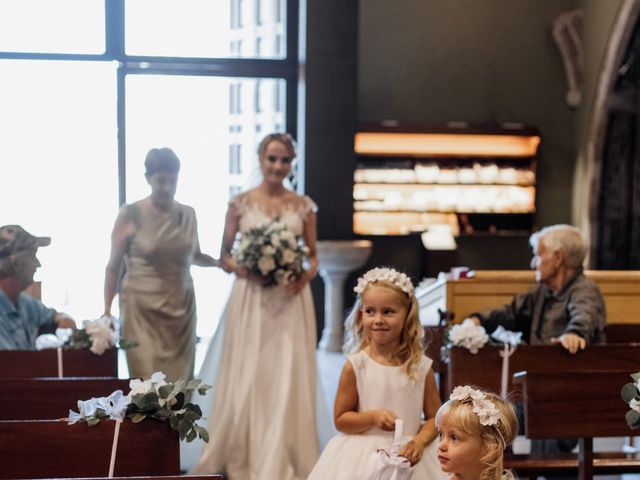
22	317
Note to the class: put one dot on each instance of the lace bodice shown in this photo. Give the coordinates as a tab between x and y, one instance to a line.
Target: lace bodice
253	214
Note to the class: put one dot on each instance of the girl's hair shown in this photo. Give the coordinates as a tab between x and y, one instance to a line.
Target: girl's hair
284	138
495	436
161	160
410	349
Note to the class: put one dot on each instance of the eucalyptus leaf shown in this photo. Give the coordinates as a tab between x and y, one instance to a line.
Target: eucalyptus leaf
180	398
633	419
165	390
629	392
149	402
137	417
191	435
183	427
203	432
173	422
92	421
194	408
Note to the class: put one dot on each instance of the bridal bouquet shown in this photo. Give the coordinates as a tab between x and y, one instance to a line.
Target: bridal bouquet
468	335
153	398
631	394
273	252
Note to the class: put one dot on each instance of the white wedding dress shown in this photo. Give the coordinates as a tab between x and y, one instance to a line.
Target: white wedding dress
262	365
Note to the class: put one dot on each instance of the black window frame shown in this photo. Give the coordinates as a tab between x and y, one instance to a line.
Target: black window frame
286	69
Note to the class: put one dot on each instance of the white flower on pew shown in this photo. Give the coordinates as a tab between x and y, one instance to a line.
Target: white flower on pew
49	340
153	397
631	394
507	336
101	333
468	335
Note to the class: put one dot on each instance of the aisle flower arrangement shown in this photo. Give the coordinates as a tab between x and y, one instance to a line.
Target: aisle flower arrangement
272	252
154	398
631	394
96	335
468	335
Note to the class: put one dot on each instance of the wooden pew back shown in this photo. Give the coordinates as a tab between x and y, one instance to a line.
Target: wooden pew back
574	404
484	368
492	288
44	363
51	398
54	449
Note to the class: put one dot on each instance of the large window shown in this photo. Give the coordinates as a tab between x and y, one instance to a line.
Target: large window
83	102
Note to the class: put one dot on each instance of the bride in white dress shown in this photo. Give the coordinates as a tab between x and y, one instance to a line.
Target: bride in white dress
261	361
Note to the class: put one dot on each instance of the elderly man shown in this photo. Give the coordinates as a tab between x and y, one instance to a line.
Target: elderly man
22	317
564	307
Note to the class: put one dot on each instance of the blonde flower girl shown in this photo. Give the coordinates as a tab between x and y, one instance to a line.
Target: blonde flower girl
474	429
386	377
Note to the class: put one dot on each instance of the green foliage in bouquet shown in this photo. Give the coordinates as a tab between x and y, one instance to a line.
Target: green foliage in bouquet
272	252
153	398
80	339
631	395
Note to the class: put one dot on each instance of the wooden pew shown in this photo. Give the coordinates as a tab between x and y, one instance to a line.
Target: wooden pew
434	338
157	477
492	288
484	368
581	405
51	398
54	449
44	363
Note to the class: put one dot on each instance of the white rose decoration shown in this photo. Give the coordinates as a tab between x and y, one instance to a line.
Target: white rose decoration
266	264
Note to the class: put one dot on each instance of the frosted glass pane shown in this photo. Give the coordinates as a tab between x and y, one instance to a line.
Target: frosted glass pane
52	26
206	28
191	116
58	124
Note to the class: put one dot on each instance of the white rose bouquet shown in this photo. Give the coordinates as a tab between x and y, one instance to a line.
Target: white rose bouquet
272	252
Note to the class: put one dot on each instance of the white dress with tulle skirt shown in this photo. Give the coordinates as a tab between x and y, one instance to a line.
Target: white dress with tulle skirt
262	365
380	386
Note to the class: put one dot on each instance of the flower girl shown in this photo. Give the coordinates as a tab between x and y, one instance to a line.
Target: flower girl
475	427
386	377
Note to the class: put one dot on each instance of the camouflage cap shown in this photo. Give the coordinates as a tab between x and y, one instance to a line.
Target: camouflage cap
14	239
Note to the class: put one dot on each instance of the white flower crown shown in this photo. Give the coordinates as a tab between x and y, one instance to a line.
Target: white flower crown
486	410
390	275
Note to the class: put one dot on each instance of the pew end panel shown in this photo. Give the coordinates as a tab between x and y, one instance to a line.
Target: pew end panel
54	449
52	398
584	405
44	363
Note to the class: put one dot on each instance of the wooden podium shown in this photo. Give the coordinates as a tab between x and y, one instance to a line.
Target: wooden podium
492	288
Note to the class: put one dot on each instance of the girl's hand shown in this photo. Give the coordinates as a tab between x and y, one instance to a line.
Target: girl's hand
294	287
385	419
412	451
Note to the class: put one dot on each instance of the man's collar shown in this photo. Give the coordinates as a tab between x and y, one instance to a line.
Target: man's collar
567	284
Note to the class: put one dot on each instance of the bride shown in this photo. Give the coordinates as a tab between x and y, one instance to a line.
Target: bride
261	361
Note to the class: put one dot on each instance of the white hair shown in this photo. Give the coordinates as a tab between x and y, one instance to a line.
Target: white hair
562	238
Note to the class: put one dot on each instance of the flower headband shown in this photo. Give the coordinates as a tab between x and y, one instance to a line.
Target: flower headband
390	275
486	410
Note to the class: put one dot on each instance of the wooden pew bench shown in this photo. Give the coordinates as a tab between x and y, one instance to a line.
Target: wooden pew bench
157	477
581	405
51	398
54	449
484	368
44	363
